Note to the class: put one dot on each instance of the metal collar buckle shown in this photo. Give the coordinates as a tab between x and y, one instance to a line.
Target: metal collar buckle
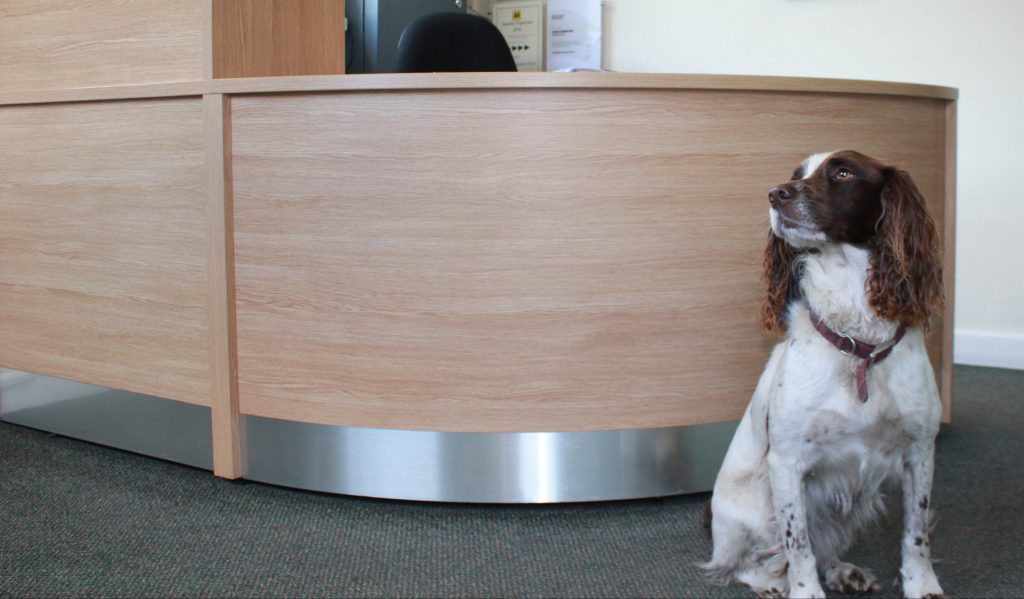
851	341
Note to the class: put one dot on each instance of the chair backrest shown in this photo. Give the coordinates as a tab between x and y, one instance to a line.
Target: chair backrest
452	42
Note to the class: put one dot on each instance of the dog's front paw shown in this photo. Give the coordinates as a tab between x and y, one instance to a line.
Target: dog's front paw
849	579
772	593
807	590
920	584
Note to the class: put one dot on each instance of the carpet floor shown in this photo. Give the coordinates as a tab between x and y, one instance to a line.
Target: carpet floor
78	519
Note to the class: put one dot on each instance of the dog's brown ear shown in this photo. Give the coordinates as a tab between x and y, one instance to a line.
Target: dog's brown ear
905	280
779	276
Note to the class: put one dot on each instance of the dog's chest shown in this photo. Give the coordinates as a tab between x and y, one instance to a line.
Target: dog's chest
850	455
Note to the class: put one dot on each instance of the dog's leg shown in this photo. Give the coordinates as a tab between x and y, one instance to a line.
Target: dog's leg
791	514
917	575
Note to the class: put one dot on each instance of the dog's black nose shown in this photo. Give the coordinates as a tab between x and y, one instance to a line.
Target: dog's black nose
780	194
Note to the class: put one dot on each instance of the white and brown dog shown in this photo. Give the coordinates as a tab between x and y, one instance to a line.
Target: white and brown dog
848	400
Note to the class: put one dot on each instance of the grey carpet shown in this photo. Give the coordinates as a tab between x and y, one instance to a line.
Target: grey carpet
82	520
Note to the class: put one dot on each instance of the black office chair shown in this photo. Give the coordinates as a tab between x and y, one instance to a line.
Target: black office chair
452	42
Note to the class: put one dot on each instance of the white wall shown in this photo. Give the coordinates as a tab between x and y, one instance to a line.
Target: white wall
976	46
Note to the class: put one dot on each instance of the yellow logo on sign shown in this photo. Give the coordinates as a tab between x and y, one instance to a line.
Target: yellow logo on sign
517	14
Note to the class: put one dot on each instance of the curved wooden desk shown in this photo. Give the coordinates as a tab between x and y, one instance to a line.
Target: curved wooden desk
479	258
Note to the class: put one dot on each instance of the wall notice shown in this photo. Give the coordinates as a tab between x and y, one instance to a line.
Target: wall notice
522	24
574	35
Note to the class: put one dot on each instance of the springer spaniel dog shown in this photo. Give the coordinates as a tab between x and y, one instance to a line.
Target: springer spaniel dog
848	400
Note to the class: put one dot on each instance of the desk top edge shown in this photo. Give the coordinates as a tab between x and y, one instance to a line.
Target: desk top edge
465	81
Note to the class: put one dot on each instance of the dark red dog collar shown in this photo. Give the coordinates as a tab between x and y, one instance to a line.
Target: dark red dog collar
869	354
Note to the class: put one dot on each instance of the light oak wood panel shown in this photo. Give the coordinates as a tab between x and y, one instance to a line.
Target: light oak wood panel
103	241
949	263
49	44
273	38
525	260
227	439
602	80
465	81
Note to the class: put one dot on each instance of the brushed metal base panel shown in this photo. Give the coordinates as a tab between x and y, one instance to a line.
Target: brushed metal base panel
534	467
162	428
486	467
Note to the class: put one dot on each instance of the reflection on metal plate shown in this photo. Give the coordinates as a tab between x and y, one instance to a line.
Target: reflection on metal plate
527	467
486	467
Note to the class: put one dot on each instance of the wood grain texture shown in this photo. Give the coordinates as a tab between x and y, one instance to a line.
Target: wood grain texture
949	264
52	44
525	260
103	274
227	440
466	81
438	81
274	38
208	39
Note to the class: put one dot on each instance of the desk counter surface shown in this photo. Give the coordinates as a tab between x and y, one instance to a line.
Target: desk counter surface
452	81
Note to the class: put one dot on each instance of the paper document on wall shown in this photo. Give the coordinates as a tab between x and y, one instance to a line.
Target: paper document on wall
574	35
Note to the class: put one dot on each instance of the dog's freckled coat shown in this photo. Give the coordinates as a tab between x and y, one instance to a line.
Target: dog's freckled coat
851	241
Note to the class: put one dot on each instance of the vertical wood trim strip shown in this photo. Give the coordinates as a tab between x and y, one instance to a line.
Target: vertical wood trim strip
208	39
949	260
227	444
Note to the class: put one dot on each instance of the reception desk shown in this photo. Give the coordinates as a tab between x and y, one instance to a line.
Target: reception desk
459	287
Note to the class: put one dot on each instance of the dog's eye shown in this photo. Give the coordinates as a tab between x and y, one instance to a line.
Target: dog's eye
844	174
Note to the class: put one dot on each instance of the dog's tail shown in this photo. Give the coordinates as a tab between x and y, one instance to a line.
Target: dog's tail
718	574
718	571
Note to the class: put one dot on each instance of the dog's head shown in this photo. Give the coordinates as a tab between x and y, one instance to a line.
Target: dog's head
847	197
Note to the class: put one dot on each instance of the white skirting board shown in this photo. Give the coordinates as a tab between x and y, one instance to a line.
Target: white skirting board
984	348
